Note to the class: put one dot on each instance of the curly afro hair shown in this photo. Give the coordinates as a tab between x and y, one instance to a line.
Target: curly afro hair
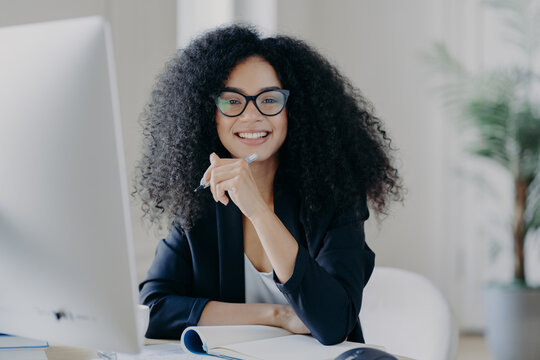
336	153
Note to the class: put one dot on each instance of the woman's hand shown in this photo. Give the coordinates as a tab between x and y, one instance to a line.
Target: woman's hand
288	320
234	177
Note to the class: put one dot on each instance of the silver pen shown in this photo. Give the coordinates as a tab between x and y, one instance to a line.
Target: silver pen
251	158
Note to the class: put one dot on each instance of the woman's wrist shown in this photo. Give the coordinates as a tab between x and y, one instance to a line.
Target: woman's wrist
260	212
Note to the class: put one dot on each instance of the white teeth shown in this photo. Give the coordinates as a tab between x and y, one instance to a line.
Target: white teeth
252	135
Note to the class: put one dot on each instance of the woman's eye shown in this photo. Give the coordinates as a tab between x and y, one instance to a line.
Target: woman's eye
233	102
269	101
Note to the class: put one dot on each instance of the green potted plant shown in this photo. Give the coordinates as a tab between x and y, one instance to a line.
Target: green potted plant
502	108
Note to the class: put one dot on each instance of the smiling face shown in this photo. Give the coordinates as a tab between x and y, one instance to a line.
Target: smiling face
251	131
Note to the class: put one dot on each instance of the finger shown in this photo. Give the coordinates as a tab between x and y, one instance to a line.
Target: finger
222	197
212	183
206	175
220	176
221	165
213	164
222	168
213	157
226	172
228	185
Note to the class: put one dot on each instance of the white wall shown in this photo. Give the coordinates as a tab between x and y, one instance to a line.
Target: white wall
194	17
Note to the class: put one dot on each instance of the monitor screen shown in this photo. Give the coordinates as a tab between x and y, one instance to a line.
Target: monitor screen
67	272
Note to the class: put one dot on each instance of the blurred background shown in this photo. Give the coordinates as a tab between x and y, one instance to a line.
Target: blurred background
454	225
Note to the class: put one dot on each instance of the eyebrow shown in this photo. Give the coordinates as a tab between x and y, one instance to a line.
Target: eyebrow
260	90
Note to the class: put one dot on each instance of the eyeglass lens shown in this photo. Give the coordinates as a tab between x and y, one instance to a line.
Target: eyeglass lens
269	103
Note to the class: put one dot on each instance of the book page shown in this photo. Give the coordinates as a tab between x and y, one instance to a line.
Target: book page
200	339
291	347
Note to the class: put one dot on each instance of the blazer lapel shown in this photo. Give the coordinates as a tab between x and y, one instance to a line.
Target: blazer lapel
231	252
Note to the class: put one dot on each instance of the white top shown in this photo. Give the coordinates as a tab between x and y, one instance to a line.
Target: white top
260	286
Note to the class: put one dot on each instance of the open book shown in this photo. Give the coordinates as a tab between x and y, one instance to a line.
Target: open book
259	342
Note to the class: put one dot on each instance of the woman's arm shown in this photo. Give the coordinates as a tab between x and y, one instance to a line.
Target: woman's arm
278	243
323	287
326	287
222	313
166	293
172	309
234	177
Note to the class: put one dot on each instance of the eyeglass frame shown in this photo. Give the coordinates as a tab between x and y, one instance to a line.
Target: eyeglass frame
254	98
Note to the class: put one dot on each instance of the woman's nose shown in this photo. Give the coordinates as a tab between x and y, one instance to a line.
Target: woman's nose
251	112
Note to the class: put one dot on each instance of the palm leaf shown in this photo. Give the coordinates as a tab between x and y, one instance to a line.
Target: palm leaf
490	120
522	21
443	62
456	79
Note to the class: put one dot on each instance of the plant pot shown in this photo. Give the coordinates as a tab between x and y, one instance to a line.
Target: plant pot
513	322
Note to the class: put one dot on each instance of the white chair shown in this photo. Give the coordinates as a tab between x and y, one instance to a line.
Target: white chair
406	313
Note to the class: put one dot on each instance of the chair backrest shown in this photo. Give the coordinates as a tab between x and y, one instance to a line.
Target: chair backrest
406	313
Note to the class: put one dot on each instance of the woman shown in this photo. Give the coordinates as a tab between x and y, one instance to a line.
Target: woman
278	241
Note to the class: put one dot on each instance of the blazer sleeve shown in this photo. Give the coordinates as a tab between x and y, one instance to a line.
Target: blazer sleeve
167	293
325	290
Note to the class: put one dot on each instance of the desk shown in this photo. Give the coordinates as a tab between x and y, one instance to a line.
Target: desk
59	352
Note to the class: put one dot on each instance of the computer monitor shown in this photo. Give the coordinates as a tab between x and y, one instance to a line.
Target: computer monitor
67	271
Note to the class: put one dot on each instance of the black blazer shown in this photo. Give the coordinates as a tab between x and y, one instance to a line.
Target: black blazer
207	263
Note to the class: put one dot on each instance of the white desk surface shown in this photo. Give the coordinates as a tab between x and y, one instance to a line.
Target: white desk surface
59	352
